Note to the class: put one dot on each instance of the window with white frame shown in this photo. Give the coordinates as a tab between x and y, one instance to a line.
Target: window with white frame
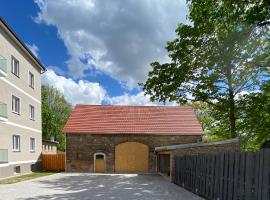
15	67
32	112
32	144
31	80
16	142
15	104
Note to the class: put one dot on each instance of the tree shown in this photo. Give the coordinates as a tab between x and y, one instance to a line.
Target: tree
223	52
255	111
213	128
55	112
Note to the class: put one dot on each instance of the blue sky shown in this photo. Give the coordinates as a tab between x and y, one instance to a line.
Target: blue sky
96	51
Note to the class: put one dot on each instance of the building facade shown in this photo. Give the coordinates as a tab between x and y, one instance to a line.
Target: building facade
20	105
49	147
122	139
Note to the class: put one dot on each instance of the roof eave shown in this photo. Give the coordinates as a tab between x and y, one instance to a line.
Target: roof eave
20	42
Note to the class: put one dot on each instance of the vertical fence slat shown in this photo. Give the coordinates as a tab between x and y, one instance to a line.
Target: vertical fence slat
266	171
231	175
225	176
54	162
242	176
249	176
236	176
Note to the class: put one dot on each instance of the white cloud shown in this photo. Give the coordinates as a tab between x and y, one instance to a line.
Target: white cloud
119	38
83	92
126	99
33	48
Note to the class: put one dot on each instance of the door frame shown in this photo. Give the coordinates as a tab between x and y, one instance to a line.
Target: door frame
95	155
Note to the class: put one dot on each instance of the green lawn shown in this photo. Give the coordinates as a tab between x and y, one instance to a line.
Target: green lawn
25	177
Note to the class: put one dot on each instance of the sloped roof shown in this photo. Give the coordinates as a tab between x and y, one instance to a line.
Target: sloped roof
152	120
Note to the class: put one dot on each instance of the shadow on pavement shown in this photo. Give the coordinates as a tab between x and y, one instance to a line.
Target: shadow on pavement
102	187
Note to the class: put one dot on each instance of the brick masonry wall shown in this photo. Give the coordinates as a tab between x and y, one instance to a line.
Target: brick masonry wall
234	146
80	148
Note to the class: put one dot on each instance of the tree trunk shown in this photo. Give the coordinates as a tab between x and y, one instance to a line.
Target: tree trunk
231	113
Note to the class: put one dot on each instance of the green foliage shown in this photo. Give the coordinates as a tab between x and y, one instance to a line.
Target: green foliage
213	128
55	112
255	124
222	53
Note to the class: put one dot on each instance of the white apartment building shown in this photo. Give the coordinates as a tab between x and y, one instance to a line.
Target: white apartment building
20	105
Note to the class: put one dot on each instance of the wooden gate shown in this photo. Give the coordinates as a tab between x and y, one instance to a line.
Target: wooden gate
53	162
131	157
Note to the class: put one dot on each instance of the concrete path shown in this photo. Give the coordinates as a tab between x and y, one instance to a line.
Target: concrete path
71	186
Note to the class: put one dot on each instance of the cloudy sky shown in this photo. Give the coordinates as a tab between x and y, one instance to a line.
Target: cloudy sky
96	51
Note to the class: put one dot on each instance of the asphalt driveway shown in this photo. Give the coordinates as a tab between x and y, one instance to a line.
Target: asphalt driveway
96	187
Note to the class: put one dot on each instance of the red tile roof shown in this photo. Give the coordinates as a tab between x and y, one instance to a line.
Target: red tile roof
153	120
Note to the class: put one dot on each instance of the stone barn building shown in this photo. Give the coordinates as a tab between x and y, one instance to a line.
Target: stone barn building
122	139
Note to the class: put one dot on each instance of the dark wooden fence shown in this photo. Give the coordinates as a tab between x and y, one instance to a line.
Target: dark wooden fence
226	176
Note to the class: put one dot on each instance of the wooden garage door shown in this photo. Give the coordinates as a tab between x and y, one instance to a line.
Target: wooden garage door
131	157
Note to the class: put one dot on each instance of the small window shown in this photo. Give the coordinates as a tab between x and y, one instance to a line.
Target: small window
15	104
99	157
17	170
31	80
32	144
16	143
15	68
32	112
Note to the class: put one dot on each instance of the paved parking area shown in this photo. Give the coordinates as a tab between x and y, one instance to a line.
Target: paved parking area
96	187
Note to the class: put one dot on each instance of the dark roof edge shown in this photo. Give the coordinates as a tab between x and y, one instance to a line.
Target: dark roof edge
183	146
22	43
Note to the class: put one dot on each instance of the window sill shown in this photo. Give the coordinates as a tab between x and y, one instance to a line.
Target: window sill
16	113
18	76
15	150
32	151
32	119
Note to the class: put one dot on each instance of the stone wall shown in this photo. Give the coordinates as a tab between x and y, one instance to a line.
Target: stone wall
80	148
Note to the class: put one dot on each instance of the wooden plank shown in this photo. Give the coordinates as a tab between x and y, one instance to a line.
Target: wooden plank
260	177
256	174
230	175
55	162
216	178
221	175
236	176
213	171
209	174
242	176
225	176
265	174
249	175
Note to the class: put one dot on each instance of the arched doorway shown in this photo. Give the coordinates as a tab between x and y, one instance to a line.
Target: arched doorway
99	162
131	157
